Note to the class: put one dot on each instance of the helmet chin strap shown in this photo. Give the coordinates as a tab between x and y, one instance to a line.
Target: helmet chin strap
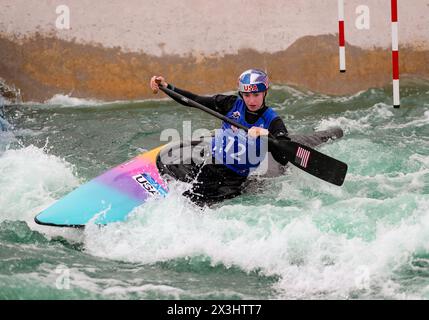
265	95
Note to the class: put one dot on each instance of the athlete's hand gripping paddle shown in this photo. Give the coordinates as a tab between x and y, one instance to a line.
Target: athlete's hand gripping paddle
307	159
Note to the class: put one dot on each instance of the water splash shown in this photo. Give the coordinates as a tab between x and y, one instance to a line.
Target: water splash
289	237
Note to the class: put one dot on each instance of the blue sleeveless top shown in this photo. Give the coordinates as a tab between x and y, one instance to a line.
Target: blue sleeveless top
233	148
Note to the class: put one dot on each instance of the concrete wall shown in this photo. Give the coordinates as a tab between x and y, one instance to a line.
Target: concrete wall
113	46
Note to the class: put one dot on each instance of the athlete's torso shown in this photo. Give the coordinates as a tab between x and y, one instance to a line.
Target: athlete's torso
233	148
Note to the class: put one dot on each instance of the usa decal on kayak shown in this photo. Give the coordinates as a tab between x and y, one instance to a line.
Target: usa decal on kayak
145	184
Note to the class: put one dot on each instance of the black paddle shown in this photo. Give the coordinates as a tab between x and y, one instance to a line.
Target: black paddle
305	158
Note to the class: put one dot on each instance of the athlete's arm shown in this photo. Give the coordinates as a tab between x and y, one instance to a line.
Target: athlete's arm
219	103
278	130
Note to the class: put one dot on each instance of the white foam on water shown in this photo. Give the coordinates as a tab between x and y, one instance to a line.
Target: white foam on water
292	91
316	98
313	256
6	139
348	98
420	159
29	179
67	100
379	116
332	242
358	121
419	122
332	265
161	290
311	263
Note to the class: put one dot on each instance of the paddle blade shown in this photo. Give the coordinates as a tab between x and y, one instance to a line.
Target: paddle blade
309	160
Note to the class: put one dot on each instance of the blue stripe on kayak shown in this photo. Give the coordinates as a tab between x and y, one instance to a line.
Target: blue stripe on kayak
81	205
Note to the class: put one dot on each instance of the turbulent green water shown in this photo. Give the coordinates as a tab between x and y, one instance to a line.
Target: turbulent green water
290	237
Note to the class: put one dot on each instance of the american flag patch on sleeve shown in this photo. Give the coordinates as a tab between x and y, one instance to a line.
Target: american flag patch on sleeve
302	157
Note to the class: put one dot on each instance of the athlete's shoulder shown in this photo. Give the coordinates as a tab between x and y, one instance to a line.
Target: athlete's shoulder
270	112
225	102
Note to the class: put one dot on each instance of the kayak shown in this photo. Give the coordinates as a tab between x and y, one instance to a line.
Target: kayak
113	195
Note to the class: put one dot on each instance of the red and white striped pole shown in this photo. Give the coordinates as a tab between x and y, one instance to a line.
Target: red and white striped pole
341	37
395	53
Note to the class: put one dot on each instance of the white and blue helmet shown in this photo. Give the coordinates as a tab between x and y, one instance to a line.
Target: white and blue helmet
253	80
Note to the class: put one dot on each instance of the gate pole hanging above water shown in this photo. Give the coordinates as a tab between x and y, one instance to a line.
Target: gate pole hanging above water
395	53
341	36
